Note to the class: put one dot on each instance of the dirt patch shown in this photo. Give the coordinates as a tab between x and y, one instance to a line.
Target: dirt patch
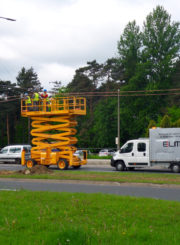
7	172
37	169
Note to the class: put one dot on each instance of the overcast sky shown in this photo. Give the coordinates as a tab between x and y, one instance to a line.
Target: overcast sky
56	37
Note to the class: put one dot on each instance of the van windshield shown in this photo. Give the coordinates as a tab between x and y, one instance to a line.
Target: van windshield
127	148
4	150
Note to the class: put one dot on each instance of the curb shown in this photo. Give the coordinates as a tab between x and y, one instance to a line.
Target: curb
99	162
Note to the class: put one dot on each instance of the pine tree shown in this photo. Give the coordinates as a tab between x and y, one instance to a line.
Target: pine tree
28	80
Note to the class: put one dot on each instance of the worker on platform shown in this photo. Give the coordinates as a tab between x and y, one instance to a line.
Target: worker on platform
35	99
28	102
45	97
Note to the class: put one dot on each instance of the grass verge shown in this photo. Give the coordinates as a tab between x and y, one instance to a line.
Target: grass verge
65	218
121	177
98	157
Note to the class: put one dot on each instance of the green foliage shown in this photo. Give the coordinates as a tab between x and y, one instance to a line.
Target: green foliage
152	124
21	130
161	41
165	122
9	111
28	81
105	123
56	86
174	113
129	49
157	48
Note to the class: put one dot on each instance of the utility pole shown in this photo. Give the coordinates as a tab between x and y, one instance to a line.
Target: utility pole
118	121
7	128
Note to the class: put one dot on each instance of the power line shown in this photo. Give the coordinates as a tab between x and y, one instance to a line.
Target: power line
134	91
110	94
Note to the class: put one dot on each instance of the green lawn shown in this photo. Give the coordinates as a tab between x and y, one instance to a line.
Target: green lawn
65	218
121	177
98	157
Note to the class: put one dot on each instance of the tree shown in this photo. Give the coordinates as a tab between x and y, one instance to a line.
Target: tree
104	128
165	122
28	81
161	42
81	82
111	75
93	72
152	124
129	49
56	86
9	111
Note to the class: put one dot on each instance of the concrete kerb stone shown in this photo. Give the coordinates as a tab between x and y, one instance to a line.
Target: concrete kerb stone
99	162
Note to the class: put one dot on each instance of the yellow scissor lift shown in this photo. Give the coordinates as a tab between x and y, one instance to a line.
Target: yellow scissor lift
53	131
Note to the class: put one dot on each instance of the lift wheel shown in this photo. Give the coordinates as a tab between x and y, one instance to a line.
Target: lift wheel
30	163
62	164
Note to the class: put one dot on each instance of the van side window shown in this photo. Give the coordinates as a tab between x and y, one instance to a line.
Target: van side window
127	148
15	150
141	147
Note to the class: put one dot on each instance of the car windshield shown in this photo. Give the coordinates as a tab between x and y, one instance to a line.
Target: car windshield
4	150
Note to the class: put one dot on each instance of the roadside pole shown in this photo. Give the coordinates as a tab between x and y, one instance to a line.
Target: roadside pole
118	121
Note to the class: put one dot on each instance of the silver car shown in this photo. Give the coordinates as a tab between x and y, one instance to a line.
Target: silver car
106	152
12	153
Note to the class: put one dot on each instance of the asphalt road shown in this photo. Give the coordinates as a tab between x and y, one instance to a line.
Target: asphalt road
158	192
97	168
138	190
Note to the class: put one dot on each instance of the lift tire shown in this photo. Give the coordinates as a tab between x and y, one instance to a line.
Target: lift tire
120	166
62	164
77	167
175	168
30	163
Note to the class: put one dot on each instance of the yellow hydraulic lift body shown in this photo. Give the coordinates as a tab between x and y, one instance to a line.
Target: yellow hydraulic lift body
53	131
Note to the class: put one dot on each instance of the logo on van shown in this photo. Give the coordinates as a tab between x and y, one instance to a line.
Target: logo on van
171	144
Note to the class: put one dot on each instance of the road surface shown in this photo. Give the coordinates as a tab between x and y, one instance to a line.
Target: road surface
138	190
97	168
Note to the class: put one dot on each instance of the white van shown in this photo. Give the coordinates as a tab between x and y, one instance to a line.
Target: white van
162	148
12	153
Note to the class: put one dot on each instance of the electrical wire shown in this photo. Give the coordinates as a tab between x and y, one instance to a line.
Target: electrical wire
137	93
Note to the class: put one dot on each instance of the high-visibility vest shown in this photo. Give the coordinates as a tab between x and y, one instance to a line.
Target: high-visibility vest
36	97
28	100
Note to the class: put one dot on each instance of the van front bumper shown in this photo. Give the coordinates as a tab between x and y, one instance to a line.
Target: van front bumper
113	162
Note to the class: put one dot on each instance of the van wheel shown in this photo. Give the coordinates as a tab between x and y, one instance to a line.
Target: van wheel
62	164
175	168
120	166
